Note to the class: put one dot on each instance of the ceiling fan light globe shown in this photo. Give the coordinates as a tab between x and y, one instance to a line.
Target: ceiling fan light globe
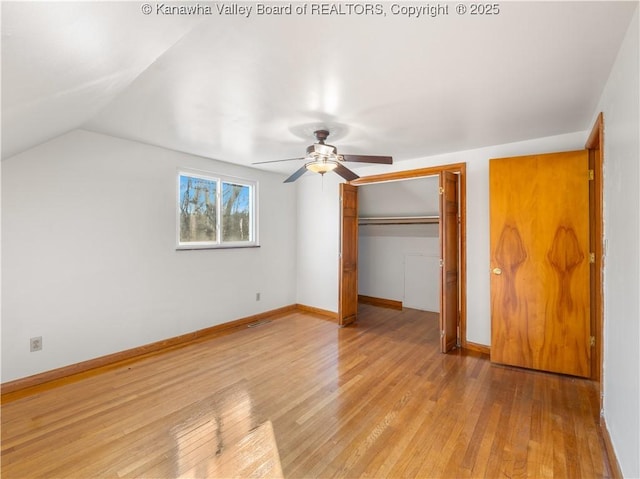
321	166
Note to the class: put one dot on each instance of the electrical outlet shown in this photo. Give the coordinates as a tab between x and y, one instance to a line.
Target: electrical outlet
257	296
35	344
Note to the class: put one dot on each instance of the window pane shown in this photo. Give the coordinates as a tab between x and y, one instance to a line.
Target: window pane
236	224
197	209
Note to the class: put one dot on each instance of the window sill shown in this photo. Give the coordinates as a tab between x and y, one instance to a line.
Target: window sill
234	246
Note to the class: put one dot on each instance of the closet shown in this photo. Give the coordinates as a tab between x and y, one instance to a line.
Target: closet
398	242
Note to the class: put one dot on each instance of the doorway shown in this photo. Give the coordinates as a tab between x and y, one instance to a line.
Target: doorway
398	244
453	306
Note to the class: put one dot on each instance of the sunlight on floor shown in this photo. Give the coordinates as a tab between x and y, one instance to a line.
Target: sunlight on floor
221	442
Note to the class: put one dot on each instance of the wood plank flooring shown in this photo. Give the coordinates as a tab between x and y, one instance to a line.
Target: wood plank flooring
300	397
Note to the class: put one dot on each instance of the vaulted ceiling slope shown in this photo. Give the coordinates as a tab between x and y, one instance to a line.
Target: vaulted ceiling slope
245	88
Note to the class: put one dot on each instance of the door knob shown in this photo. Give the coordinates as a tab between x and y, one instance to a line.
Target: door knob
497	271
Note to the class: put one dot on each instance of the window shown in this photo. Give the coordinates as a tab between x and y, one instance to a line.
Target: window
216	211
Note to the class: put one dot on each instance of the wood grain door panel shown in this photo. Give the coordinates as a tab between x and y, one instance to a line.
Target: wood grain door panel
540	281
449	245
348	301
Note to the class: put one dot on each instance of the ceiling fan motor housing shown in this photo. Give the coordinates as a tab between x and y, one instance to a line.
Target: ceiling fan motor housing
321	149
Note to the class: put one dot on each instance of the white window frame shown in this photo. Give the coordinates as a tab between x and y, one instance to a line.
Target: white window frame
219	180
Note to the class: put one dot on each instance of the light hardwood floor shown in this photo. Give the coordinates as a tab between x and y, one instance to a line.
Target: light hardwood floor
372	400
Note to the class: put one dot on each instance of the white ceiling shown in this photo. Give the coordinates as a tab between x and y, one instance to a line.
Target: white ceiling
252	89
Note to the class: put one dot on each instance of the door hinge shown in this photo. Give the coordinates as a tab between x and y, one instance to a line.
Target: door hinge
592	258
441	263
592	175
441	190
592	341
442	333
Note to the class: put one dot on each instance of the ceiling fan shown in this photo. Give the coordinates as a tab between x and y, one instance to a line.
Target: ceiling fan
322	157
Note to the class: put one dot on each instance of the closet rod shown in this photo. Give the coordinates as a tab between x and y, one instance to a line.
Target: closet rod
398	220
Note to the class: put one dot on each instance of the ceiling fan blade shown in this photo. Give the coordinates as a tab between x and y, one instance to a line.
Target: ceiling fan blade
276	161
386	160
296	175
345	172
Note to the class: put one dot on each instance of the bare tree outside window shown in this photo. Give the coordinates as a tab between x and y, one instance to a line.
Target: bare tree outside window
197	209
235	212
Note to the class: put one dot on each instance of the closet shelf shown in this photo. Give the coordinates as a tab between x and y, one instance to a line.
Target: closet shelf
398	220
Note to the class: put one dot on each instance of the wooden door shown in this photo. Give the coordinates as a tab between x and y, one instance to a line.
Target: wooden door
348	302
449	255
539	207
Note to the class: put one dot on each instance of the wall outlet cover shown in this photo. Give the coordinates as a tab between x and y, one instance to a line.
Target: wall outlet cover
35	344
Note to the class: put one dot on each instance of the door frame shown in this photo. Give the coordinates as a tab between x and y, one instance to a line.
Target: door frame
595	147
461	170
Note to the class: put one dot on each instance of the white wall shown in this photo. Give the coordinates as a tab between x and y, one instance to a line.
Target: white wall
318	240
382	263
321	224
620	104
413	197
89	260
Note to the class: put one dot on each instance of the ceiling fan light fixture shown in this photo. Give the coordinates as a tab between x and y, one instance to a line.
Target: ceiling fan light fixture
321	166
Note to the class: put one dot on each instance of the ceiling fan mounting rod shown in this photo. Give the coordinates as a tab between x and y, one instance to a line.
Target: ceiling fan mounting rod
321	135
